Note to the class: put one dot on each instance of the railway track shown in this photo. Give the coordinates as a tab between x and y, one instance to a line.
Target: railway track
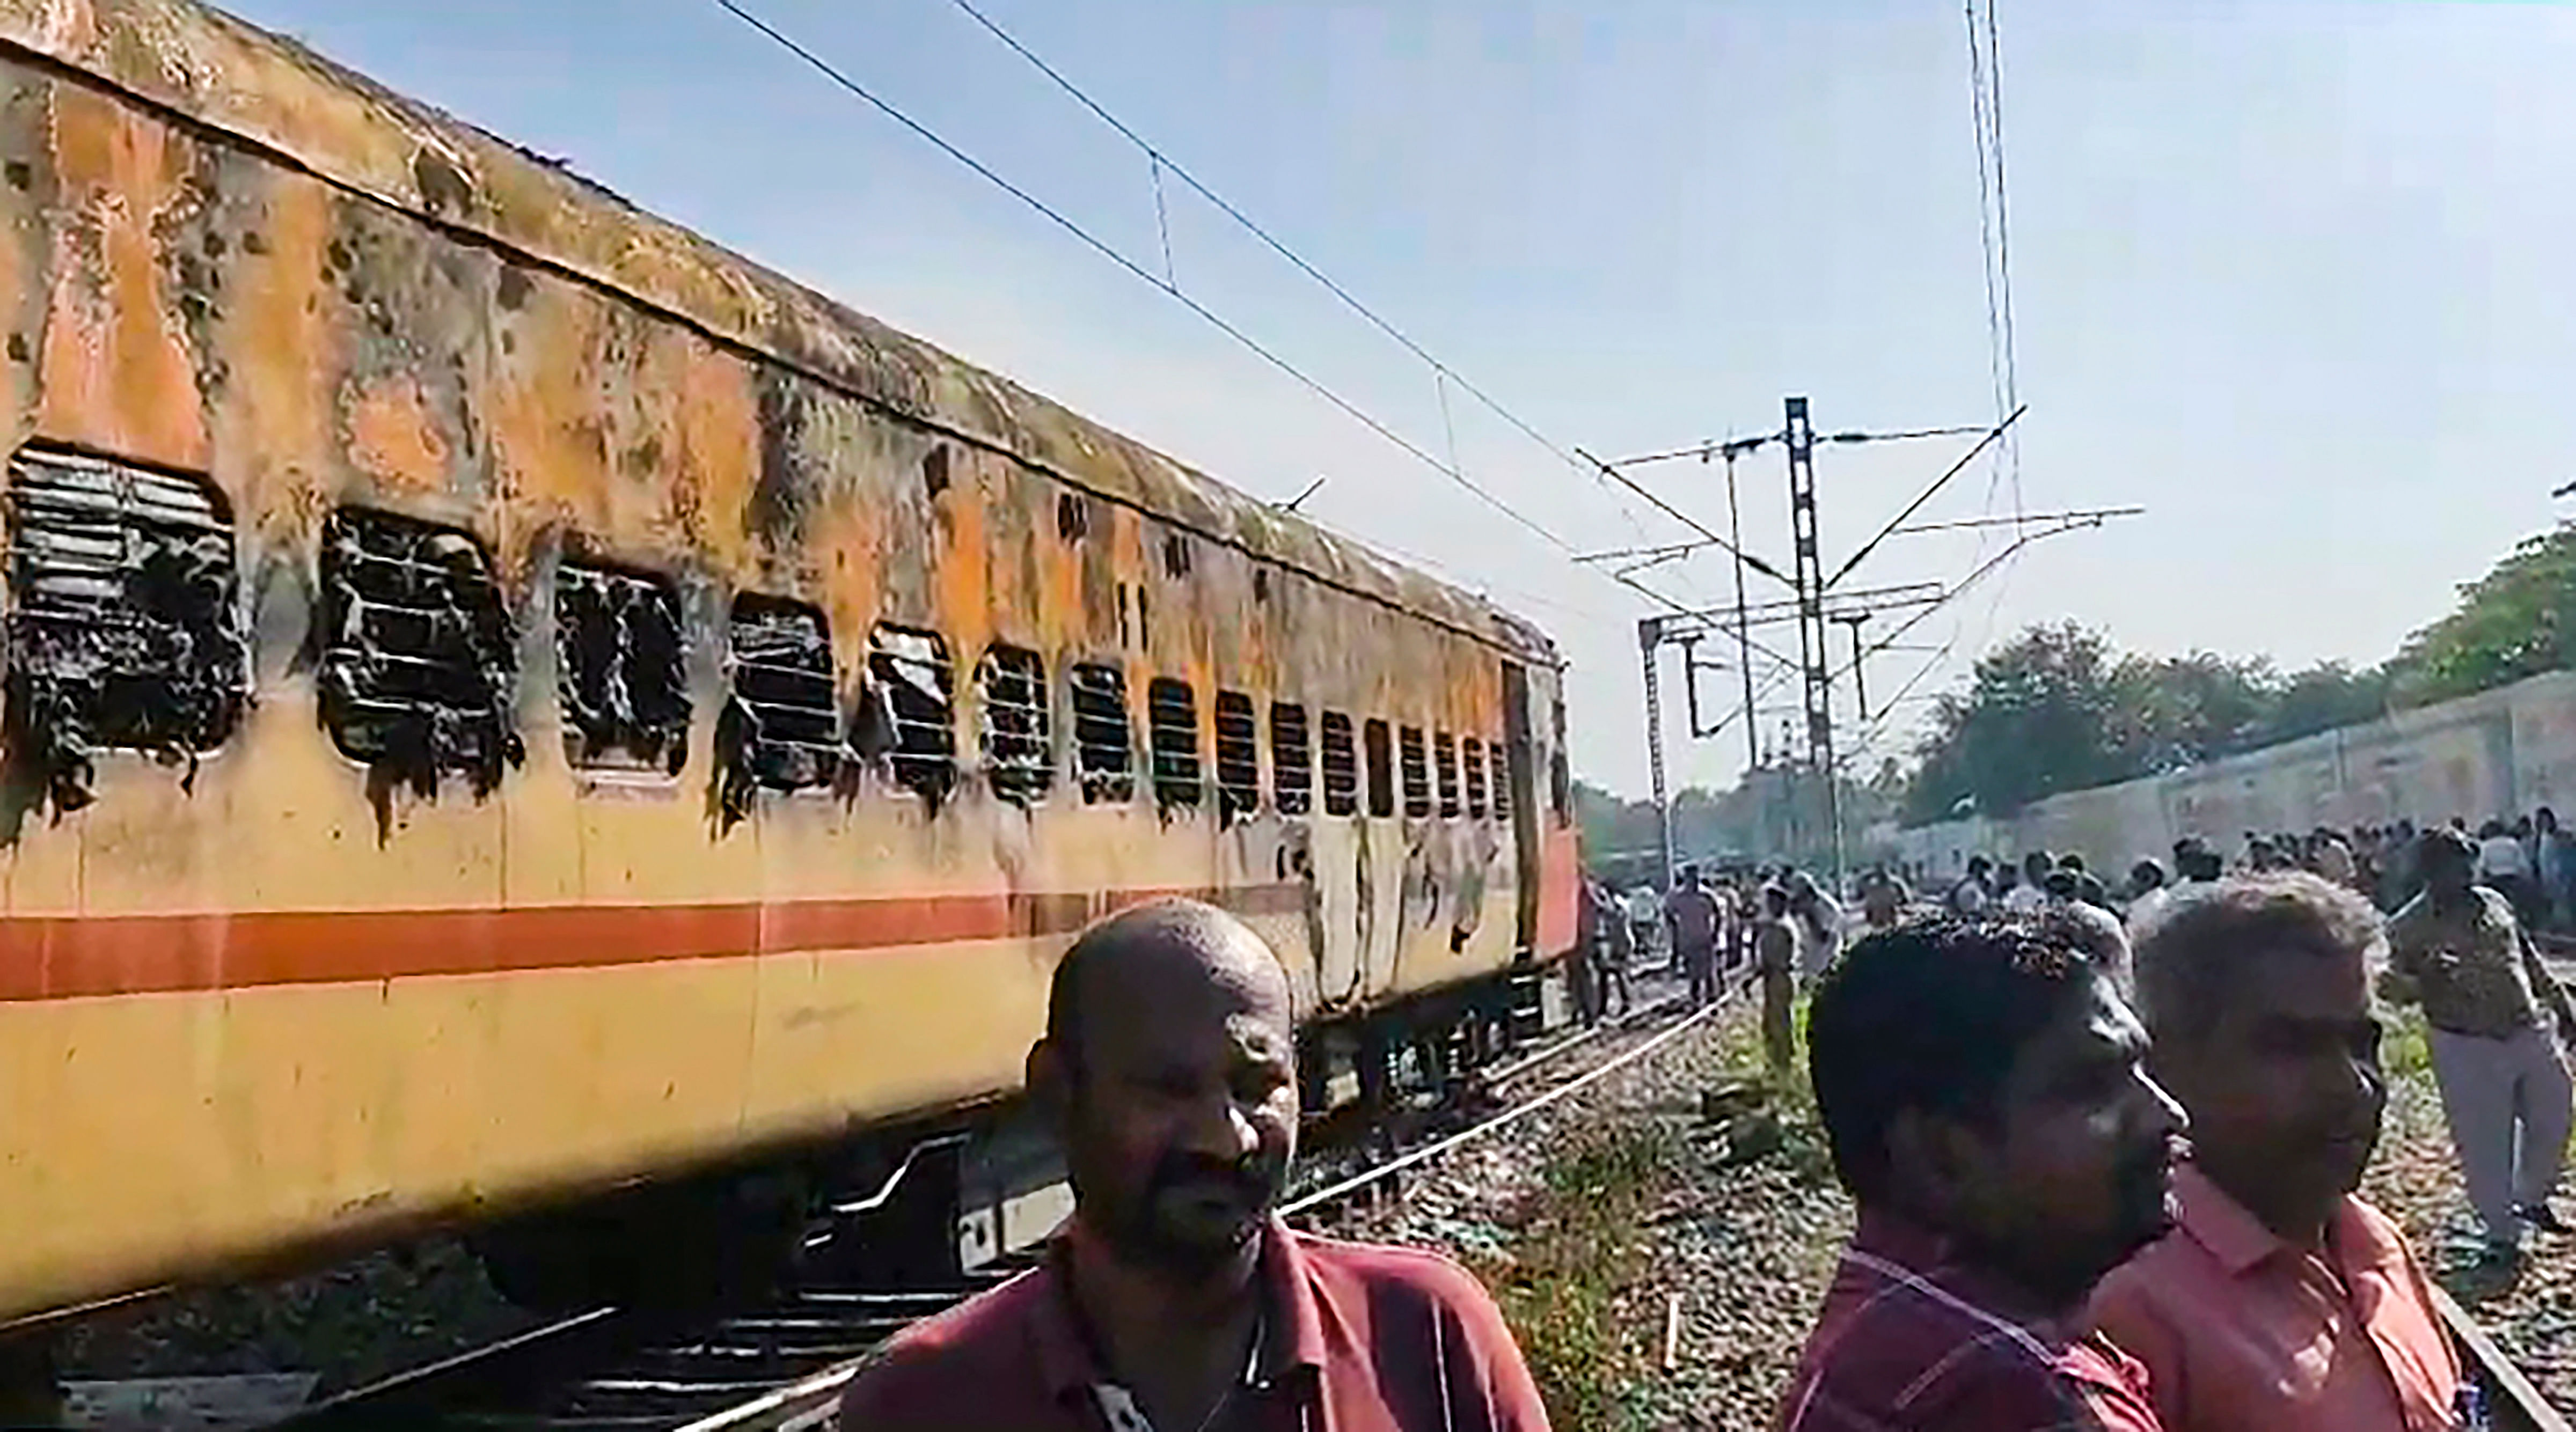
783	1365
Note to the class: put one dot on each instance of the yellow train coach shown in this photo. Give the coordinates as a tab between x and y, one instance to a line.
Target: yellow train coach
505	699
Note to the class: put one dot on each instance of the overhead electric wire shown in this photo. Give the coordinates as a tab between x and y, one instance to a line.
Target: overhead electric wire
1109	252
1253	227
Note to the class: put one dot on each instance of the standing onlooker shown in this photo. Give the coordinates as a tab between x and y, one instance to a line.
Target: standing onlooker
1583	964
1696	922
1645	919
2504	868
1175	1297
2332	859
2031	895
2148	894
1618	952
1820	925
1775	949
1980	1084
2458	951
1975	890
2397	879
2557	866
2281	1302
1882	900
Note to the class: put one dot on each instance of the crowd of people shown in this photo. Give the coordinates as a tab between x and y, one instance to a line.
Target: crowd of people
2104	1151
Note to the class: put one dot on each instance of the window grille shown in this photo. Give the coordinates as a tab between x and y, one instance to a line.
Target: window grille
126	627
625	685
1104	740
1019	755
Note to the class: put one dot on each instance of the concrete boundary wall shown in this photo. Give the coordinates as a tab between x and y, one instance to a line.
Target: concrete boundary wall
2497	753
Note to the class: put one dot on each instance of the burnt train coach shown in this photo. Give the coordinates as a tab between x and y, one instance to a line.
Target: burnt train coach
505	699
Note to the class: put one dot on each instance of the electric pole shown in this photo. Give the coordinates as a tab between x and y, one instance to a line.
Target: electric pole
1814	677
1815	601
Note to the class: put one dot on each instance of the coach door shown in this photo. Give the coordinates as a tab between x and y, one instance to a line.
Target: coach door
1523	758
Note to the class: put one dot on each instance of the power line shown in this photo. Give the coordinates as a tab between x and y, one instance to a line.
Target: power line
1105	250
1272	241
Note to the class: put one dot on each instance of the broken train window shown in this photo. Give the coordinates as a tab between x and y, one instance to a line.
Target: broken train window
1292	759
418	658
909	686
1444	766
781	726
1019	756
1502	781
1341	767
1104	741
126	629
1172	716
1238	754
625	678
1475	778
1417	773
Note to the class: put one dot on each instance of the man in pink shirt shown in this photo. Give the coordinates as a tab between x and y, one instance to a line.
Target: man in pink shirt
2280	1302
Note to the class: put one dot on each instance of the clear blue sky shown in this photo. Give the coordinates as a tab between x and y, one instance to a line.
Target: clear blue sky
2296	276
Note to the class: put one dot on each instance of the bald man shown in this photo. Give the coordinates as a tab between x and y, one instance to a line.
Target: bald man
1174	1300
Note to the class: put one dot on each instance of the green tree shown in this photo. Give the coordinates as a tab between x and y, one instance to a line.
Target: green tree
2038	717
2514	622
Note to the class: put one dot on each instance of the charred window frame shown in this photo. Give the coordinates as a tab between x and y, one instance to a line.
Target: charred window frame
1292	759
1172	720
1475	780
1444	768
1380	745
1019	746
126	626
1417	773
1560	774
625	687
912	693
1104	738
781	728
418	656
1238	754
1341	766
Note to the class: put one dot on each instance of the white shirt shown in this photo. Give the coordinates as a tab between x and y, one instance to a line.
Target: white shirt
2025	899
2144	909
2501	855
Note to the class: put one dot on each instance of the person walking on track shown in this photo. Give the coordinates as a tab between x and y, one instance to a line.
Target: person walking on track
1775	954
1696	923
2458	950
1175	1299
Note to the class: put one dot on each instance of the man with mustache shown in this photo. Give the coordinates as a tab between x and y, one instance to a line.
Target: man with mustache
1983	1090
1174	1300
2281	1303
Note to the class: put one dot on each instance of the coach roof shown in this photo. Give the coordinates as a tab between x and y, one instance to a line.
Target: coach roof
263	90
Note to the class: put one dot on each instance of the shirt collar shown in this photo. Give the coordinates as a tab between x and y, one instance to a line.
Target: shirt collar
1293	1337
2212	1218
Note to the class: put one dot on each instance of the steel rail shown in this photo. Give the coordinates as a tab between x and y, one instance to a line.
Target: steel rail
2513	1403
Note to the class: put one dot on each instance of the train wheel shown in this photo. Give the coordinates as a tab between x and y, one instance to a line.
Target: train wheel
1375	1064
671	1247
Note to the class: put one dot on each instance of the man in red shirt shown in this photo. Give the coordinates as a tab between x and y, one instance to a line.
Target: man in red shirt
1175	1300
1983	1090
2282	1303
